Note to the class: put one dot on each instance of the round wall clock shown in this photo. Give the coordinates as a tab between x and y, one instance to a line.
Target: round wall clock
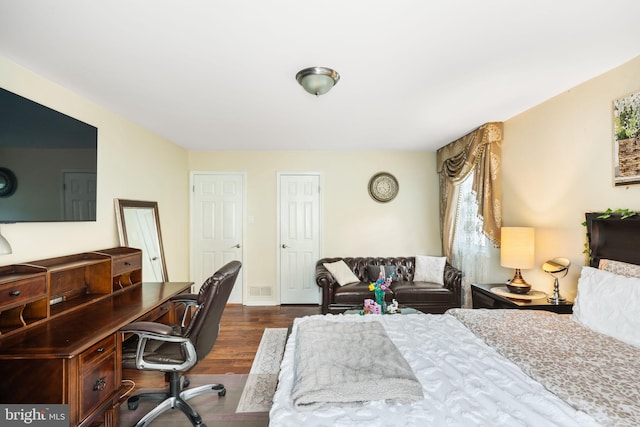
8	182
383	187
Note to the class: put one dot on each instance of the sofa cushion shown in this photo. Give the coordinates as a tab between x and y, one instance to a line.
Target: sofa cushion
373	272
420	292
430	269
356	293
341	272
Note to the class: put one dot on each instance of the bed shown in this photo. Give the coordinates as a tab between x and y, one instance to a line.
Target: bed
479	367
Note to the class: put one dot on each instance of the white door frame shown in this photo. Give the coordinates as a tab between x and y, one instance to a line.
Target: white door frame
320	218
244	225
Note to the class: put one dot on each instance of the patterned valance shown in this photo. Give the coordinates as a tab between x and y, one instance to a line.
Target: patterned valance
479	153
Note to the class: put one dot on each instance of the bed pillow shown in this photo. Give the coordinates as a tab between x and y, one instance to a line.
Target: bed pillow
373	272
609	303
341	272
619	267
429	269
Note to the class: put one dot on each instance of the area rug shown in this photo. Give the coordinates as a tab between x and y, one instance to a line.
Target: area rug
262	380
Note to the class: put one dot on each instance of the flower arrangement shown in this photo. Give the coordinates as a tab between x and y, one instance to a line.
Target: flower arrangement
380	284
379	287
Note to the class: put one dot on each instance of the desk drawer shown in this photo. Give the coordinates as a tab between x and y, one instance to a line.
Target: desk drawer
155	314
97	385
19	292
125	264
101	349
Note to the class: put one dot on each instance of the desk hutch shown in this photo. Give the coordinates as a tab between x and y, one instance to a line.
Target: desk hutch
59	322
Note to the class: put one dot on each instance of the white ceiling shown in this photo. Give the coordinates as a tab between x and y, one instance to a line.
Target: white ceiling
415	75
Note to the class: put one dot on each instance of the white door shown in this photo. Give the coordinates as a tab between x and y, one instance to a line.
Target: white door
79	196
299	243
217	226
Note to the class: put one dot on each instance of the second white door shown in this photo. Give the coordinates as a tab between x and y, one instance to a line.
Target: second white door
299	243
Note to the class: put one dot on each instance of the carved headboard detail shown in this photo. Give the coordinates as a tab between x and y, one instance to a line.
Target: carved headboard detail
613	238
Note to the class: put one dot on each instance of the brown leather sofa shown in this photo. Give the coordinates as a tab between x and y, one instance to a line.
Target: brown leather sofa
424	296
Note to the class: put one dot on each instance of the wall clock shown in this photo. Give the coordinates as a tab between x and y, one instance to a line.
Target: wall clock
383	187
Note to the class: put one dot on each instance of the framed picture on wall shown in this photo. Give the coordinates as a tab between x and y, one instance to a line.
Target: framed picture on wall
626	140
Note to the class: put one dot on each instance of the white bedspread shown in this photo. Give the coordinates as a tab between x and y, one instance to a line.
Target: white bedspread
464	381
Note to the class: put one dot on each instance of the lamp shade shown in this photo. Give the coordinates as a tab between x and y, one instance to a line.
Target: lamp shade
317	80
517	247
5	247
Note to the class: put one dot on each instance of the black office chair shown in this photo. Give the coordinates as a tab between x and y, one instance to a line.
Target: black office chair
175	349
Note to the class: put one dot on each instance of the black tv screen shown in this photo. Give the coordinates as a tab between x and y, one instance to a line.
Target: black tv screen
48	163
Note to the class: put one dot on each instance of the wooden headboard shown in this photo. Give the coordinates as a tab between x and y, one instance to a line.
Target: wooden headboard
613	238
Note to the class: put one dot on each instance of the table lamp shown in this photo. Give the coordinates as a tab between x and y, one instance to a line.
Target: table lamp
517	251
556	268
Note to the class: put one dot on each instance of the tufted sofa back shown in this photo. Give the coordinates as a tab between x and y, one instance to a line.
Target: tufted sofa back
405	269
405	266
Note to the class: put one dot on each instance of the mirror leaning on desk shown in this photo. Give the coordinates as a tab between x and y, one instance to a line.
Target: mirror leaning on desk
139	227
556	268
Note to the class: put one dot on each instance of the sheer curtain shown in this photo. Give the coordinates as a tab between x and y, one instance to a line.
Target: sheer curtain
470	245
470	200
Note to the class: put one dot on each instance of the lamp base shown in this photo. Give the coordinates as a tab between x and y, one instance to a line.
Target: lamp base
518	285
555	298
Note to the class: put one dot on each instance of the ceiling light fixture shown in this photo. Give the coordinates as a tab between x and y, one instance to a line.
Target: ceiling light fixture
317	80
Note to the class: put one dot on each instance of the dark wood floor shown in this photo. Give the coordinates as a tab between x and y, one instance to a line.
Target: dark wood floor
241	329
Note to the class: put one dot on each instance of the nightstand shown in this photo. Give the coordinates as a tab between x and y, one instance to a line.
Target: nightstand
482	297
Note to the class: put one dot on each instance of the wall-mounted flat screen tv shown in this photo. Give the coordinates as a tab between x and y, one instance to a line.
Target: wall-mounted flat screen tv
48	163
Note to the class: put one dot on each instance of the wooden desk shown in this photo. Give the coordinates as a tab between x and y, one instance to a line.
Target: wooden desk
75	358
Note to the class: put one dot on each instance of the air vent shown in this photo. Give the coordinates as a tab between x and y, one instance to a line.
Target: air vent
259	291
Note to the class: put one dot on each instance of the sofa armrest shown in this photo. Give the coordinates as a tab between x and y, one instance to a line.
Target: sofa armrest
453	281
326	282
324	279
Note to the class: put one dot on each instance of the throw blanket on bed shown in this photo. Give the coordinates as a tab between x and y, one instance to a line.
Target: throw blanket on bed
593	372
346	363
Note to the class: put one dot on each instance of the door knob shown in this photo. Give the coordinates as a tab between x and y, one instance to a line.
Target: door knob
237	245
284	246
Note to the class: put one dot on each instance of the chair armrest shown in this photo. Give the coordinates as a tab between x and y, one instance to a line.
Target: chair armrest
188	300
147	327
152	331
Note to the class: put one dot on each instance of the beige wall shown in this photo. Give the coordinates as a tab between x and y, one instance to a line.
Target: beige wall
557	165
133	163
353	223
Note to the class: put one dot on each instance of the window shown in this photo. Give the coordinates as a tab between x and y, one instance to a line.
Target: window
470	244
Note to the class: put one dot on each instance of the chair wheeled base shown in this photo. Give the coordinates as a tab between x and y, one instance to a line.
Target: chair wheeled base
176	398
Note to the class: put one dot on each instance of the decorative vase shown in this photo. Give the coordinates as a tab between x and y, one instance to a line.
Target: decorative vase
379	293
